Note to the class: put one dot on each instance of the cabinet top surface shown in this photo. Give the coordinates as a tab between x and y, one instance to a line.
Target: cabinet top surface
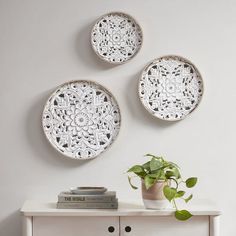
37	208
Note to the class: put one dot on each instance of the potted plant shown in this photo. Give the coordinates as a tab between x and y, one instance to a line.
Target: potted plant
161	182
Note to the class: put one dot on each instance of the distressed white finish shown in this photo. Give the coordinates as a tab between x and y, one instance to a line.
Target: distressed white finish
116	37
50	221
81	119
170	88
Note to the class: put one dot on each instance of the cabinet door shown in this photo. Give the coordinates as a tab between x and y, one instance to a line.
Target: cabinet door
75	226
163	226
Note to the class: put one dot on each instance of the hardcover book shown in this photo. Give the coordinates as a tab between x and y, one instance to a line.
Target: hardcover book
88	205
109	196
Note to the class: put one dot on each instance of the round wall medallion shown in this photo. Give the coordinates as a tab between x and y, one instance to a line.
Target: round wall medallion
170	88
81	119
116	37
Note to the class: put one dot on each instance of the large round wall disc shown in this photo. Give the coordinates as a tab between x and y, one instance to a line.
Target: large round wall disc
81	119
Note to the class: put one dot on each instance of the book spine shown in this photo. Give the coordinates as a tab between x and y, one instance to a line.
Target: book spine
88	205
87	199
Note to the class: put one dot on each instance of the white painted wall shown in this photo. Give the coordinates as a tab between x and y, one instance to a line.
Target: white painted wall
46	43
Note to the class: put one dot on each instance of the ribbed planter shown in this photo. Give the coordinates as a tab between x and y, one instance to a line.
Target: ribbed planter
153	198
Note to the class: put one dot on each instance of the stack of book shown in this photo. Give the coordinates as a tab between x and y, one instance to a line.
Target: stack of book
69	200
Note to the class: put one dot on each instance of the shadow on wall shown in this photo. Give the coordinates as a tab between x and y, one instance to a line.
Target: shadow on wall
136	108
37	139
11	225
43	149
85	52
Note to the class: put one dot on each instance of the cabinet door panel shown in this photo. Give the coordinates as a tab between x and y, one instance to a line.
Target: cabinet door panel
75	226
164	226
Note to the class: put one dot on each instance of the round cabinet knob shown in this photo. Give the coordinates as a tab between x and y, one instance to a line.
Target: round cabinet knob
127	229
111	229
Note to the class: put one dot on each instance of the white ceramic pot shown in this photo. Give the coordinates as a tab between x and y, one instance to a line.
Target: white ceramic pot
154	198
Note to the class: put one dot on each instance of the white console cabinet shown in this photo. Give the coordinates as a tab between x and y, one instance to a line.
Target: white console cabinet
43	219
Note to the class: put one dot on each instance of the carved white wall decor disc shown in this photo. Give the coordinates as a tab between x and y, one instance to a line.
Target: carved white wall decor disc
170	88
81	119
116	37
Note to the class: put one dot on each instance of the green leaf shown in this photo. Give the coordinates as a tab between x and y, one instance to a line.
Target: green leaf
175	165
146	166
151	155
183	215
162	175
129	179
176	172
188	198
155	164
179	194
169	174
149	181
169	192
155	175
191	182
136	169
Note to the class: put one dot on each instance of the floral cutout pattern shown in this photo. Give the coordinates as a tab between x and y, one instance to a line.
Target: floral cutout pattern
170	88
116	37
81	119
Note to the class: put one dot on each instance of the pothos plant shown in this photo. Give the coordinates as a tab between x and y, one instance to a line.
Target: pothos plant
158	169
